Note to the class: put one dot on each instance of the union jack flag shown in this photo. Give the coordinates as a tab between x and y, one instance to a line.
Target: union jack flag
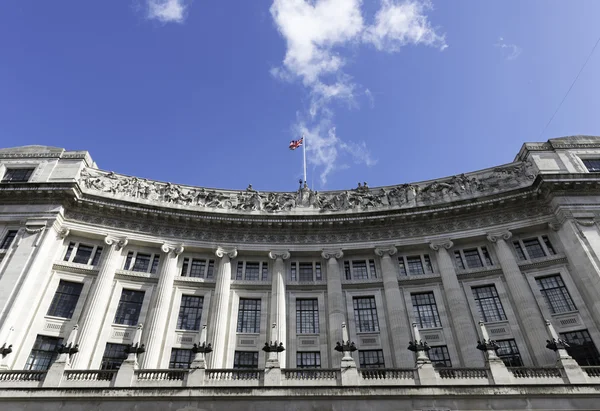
294	144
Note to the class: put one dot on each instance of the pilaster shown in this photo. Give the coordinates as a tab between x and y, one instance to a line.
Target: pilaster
335	299
278	311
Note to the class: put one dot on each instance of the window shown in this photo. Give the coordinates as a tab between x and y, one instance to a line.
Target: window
582	348
193	267
245	359
488	303
415	265
307	316
130	306
65	299
248	316
17	175
360	269
519	250
83	254
190	312
548	245
509	353
592	164
143	263
372	268
305	271
472	258
534	248
439	356
114	355
365	314
210	271
43	353
425	310
459	260
371	359
264	276
181	358
556	294
8	239
486	256
251	270
308	359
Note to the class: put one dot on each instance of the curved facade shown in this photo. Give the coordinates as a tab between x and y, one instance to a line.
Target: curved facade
512	246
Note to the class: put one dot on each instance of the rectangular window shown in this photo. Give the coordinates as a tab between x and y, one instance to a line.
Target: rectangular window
307	316
401	266
458	259
97	255
142	263
43	353
305	271
582	348
519	250
130	306
472	258
486	255
534	248
17	175
556	294
359	270
83	254
239	274
318	275
371	359
252	271
439	356
245	359
8	239
347	272
509	353
488	303
114	355
372	269
425	310
181	358
415	265
548	245
365	314
428	266
197	268
210	271
308	359
190	312
65	299
592	164
293	275
249	316
265	272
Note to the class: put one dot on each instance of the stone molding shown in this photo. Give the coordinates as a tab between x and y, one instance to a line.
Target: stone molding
586	222
117	242
386	251
63	233
499	235
442	243
328	254
229	252
172	249
279	254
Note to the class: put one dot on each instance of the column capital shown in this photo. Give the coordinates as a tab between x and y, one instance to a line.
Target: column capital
279	254
174	249
439	244
117	242
499	235
63	232
337	254
383	251
229	252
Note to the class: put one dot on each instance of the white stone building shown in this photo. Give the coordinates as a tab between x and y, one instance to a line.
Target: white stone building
507	257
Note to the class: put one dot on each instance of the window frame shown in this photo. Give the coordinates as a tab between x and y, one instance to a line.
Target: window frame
300	326
243	314
46	356
187	264
370	311
112	362
350	271
485	258
55	300
240	366
570	303
177	363
72	249
241	273
543	241
153	262
513	358
426	264
5	239
8	169
198	320
380	363
300	359
572	350
585	162
437	321
499	314
445	361
131	323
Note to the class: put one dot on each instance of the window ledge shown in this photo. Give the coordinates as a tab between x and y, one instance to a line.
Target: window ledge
484	269
75	267
136	274
542	261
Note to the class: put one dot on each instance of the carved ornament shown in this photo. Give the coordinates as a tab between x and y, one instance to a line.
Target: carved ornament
63	233
386	251
229	252
117	242
444	243
175	249
499	235
328	254
279	254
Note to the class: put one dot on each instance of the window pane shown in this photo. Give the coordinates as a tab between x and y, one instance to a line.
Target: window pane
415	265
359	270
155	262
83	254
190	312
548	245
428	266
347	273
252	271
592	164
249	316
265	272
372	268
308	360
43	353
8	239
556	294
114	355
488	303
197	268
439	356
582	348
371	359
16	175
130	306
305	272
97	256
534	248
293	276
142	263
210	273
307	316
472	258
365	314
181	358
240	270
486	255
65	299
458	260
245	359
519	250
401	266
425	310
509	353
318	274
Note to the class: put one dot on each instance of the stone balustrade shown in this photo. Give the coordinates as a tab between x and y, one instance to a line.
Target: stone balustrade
592	372
162	375
307	376
90	375
537	375
388	376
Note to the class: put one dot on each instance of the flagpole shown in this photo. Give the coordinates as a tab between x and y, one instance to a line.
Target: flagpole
304	154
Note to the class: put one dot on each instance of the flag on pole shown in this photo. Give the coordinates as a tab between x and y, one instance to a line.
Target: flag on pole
294	144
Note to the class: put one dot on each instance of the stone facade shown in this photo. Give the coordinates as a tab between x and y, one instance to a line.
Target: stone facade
507	259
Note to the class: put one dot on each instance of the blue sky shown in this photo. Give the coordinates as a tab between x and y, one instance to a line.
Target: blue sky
211	92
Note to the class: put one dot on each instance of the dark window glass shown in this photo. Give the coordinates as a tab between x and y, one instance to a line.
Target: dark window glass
83	254
240	270
252	271
184	267
365	314
293	276
534	248
249	316
582	348
425	310
265	272
245	359
372	268
556	294
69	251
17	175
210	272
114	355
509	353
359	270
548	245
519	250
128	260
371	359
472	258
401	265
308	359
181	358
8	239
97	256
197	268
486	255
458	260
347	272
428	266
43	353
307	316
439	356
305	271
65	299
415	265
488	303
141	263
155	262
130	306
318	275
190	312
592	164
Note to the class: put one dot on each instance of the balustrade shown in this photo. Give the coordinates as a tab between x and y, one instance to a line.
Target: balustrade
463	373
90	375
538	372
388	374
22	375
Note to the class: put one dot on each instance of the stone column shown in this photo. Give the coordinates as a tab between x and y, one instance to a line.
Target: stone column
278	312
527	311
220	315
155	328
395	308
335	300
460	316
93	318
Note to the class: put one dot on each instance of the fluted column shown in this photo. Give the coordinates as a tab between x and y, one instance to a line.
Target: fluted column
220	315
278	314
335	300
528	314
155	328
462	324
92	319
395	308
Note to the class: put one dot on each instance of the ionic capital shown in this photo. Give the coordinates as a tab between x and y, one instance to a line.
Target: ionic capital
229	252
279	254
389	250
499	235
442	243
117	242
337	254
63	233
172	249
585	222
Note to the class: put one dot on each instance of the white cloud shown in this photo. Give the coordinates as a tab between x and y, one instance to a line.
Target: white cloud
370	98
167	11
511	51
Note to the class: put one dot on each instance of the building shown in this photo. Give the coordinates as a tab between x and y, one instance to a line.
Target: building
505	259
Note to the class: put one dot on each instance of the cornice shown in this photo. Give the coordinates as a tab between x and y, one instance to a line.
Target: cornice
146	277
76	268
543	262
419	279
